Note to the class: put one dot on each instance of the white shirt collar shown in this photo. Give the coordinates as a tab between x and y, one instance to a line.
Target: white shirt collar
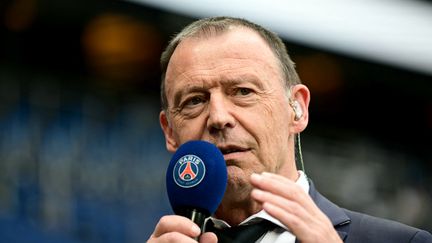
302	181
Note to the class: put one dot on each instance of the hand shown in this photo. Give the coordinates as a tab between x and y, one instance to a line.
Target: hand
292	206
174	228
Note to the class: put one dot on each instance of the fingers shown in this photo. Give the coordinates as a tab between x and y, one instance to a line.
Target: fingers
271	200
284	187
174	237
208	237
178	229
176	223
286	201
289	211
174	228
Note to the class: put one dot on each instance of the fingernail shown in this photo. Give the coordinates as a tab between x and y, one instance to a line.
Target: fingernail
196	230
268	206
266	174
257	193
256	177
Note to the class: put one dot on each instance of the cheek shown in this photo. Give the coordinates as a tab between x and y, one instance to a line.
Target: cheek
275	118
188	129
274	125
267	122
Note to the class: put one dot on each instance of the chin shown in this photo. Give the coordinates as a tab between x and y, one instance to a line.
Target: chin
238	186
236	176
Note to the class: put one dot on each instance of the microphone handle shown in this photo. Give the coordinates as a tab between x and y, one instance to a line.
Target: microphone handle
196	215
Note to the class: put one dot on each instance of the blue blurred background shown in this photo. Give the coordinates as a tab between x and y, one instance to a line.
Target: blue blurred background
82	156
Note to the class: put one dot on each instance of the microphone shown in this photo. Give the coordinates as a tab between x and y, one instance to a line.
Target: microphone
196	180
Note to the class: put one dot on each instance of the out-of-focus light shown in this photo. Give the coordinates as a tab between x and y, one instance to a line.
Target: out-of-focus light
119	48
321	73
20	14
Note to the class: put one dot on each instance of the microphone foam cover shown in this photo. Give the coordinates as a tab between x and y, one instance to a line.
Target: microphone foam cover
196	177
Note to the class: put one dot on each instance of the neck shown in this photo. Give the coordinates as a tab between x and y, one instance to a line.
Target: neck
234	209
237	205
236	212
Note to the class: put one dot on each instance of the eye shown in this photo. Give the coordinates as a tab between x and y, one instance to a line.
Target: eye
243	91
193	101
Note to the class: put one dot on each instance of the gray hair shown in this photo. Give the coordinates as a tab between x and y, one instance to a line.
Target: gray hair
218	25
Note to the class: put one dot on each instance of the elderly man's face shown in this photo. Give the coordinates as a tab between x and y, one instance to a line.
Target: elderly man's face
228	89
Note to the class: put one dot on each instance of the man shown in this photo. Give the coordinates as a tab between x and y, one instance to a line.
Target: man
232	83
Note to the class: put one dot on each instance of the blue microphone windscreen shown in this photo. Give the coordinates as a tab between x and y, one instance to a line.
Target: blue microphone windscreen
196	177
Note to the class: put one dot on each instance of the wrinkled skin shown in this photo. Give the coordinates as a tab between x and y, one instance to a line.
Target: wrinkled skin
228	89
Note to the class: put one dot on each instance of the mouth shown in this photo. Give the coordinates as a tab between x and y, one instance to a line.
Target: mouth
231	149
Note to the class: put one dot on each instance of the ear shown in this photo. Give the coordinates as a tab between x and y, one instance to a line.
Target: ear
170	141
301	94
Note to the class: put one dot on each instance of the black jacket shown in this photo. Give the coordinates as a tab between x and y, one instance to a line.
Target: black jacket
356	227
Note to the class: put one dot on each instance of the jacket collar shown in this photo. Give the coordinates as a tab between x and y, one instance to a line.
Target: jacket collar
337	215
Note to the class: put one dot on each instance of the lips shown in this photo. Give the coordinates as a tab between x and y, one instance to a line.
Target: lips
229	149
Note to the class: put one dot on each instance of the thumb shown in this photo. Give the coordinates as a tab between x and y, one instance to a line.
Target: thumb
208	237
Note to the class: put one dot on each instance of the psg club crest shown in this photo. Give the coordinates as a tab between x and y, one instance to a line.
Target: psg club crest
189	171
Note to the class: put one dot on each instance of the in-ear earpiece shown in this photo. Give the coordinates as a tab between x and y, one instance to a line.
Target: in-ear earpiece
297	110
298	113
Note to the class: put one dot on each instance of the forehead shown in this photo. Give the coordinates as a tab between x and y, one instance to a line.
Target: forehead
209	61
237	42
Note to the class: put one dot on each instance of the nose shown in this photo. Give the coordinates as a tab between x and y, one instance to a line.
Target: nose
220	114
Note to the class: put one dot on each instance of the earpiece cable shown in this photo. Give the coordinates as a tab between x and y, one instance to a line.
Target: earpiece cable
299	154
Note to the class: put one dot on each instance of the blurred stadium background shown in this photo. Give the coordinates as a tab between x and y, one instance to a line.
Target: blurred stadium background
82	156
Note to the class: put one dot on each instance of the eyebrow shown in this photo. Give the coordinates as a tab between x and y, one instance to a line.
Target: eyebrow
245	78
250	79
187	90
